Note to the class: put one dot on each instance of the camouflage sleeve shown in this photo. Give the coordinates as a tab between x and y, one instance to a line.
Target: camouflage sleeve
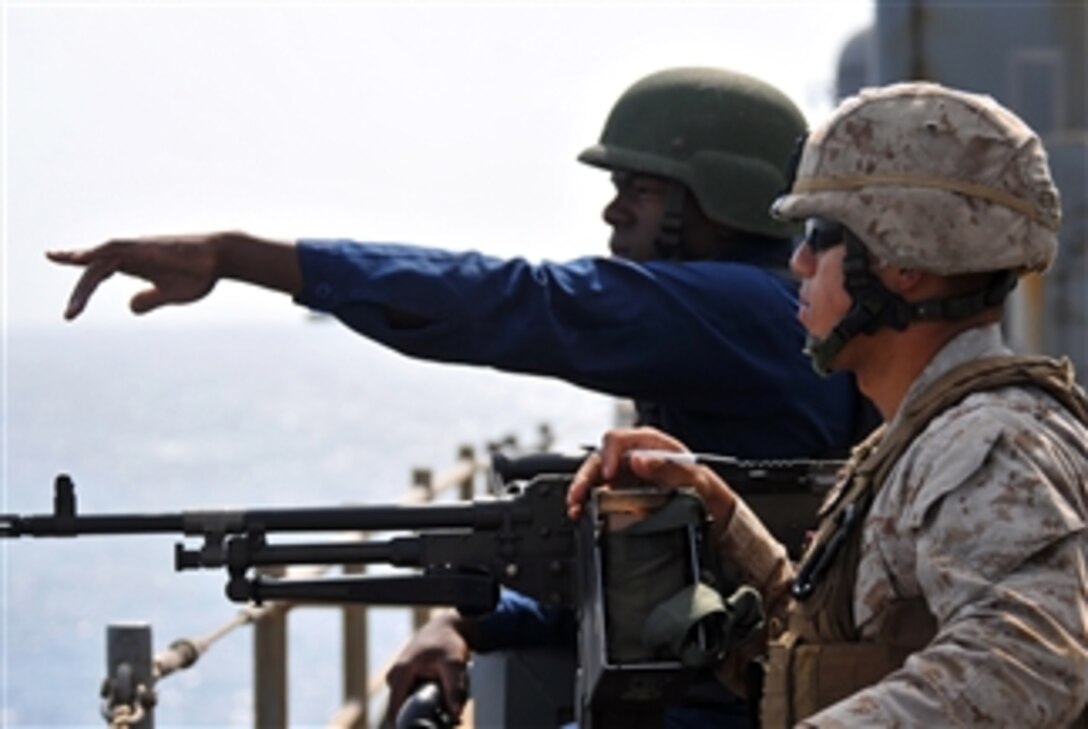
761	559
763	563
999	550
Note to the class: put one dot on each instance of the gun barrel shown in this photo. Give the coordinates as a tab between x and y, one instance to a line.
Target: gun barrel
13	525
65	521
366	518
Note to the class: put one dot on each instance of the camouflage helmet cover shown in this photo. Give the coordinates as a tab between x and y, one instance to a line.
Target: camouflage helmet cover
726	136
931	178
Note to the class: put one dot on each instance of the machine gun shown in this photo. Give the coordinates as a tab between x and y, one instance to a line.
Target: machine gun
465	551
520	538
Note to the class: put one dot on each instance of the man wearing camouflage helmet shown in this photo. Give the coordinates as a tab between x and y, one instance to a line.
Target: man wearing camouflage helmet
947	584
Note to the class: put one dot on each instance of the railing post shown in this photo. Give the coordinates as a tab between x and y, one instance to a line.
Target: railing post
422	478
270	668
467	487
546	438
128	691
356	652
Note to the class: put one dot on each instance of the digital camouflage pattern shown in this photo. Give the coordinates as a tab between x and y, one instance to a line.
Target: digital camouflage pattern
983	519
986	518
931	178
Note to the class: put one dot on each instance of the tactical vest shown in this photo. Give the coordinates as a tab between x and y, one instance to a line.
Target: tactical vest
821	658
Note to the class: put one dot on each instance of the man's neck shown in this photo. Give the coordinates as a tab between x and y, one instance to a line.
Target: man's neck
893	360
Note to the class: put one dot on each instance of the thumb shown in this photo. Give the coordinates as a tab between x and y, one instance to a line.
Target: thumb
664	471
397	694
147	300
454	685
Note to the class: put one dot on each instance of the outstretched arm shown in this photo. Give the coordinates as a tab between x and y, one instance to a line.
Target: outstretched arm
182	269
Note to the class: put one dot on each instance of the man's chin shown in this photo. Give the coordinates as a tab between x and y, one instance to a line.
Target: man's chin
821	354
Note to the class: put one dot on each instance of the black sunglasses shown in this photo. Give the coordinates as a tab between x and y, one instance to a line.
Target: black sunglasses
822	234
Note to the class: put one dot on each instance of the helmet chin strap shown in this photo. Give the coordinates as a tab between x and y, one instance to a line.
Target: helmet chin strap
873	306
669	242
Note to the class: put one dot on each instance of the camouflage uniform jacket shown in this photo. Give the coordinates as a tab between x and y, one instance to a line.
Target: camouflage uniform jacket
985	518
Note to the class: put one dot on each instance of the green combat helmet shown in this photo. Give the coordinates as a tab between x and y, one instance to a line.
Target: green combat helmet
725	136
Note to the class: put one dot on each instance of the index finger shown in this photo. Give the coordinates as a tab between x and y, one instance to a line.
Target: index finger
588	476
94	274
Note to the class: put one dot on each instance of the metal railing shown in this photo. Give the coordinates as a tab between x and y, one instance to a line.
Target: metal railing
128	693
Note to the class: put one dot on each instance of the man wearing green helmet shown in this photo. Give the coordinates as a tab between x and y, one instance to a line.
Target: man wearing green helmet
692	317
586	321
714	145
947	583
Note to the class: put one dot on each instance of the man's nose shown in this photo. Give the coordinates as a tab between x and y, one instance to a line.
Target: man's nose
615	214
801	262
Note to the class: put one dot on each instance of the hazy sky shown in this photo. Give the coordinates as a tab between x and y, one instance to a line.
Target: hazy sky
448	124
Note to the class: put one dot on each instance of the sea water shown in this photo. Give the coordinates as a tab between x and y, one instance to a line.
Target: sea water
151	418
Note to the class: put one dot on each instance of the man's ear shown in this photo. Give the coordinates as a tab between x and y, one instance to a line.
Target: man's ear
902	281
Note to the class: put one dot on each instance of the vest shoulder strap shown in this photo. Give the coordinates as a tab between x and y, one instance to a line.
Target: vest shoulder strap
827	614
821	659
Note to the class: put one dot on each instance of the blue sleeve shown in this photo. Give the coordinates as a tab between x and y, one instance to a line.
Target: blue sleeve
610	325
712	341
521	622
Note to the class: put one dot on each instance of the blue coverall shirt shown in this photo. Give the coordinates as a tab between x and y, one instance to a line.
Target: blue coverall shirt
712	349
